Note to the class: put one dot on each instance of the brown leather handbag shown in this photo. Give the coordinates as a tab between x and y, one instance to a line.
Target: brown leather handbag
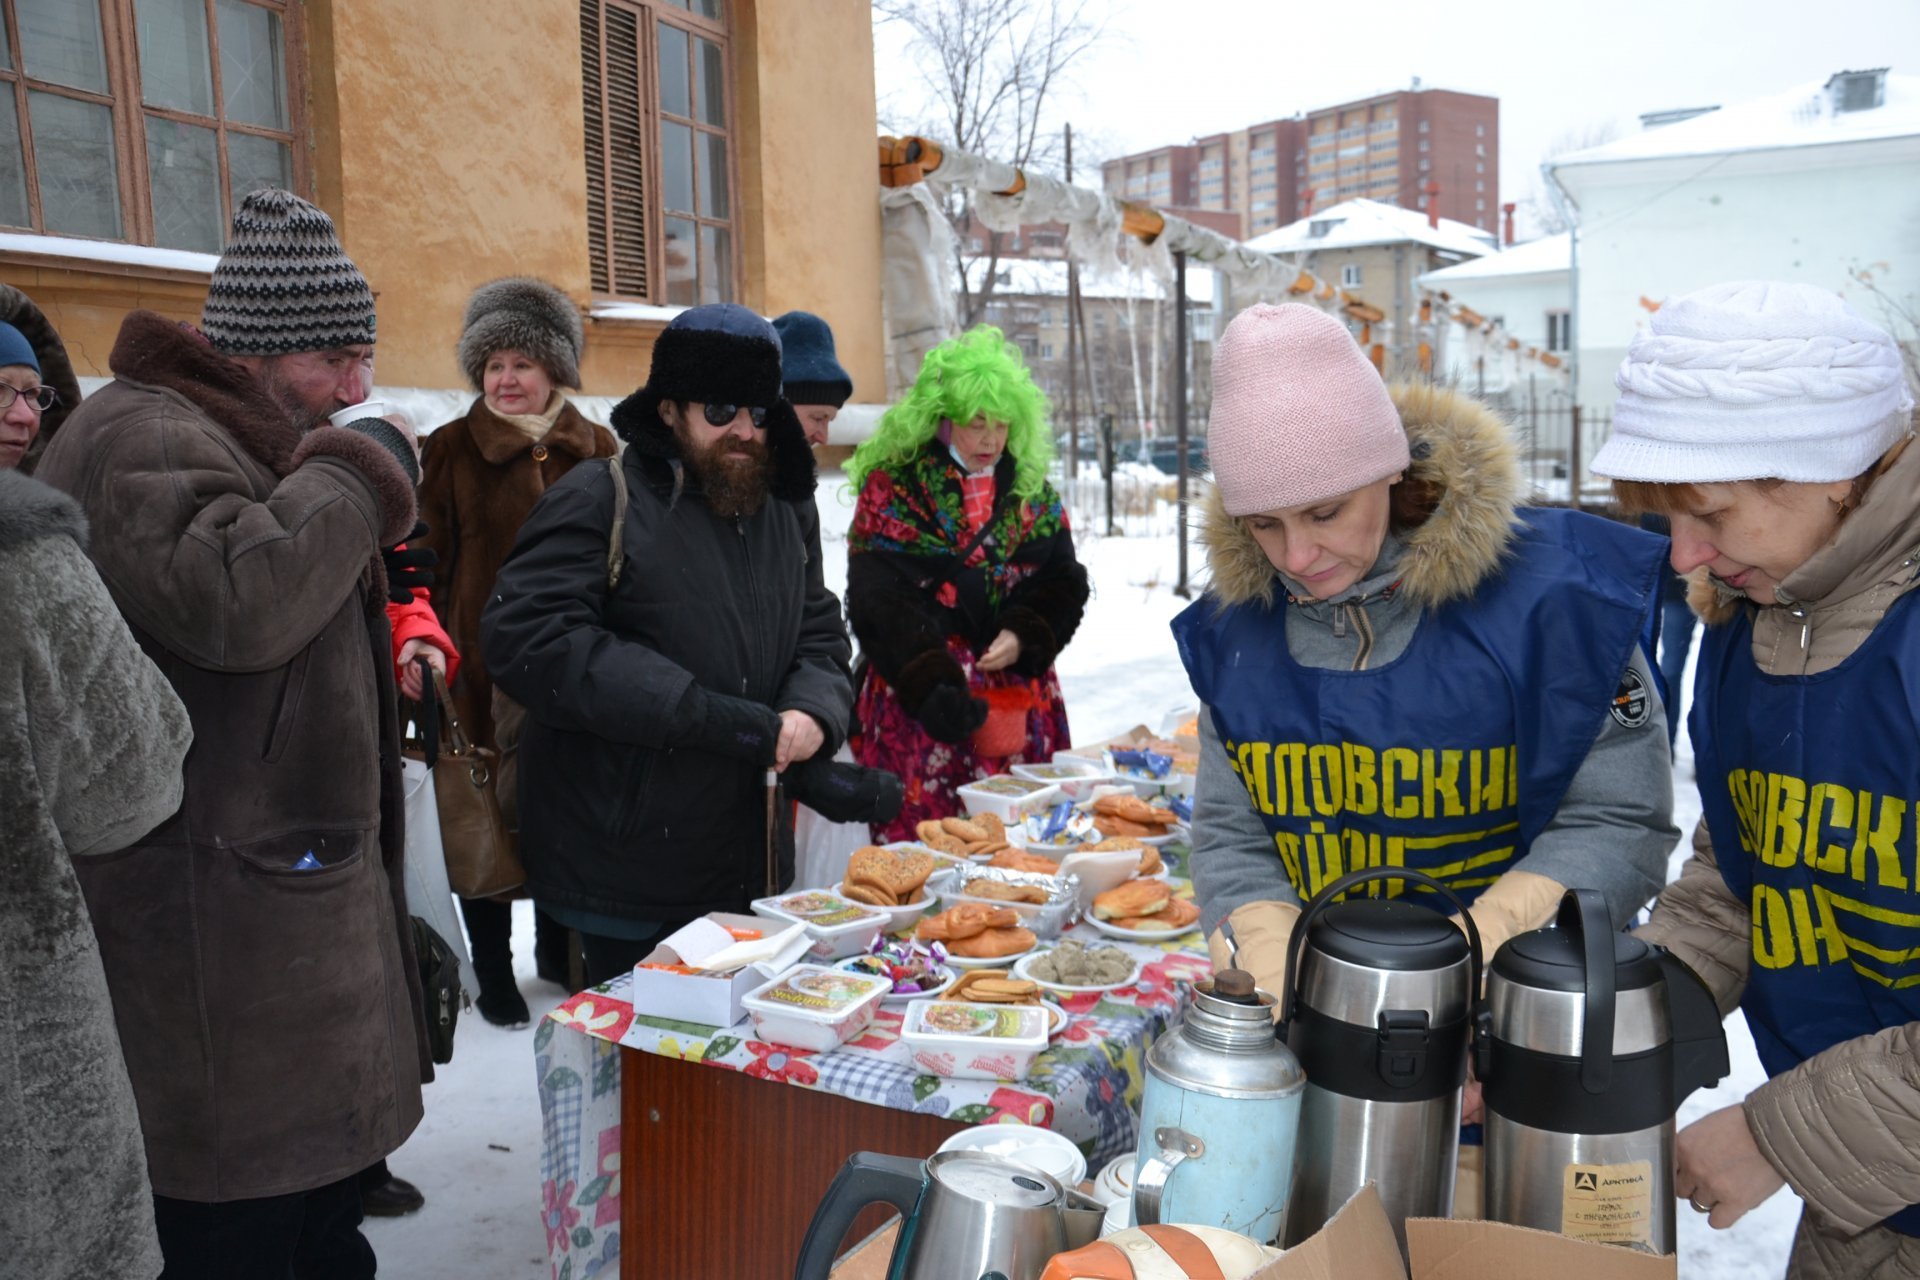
481	858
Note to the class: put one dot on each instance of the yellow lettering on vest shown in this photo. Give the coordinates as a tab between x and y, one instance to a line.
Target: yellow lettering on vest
1513	777
1363	787
1253	772
1829	927
1807	937
1772	928
1493	783
1400	768
1323	850
1363	848
1786	802
1288	843
1289	794
1838	802
1743	815
1329	789
1882	840
1442	784
1475	759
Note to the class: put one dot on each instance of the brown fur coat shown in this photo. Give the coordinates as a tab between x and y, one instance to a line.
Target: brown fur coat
480	477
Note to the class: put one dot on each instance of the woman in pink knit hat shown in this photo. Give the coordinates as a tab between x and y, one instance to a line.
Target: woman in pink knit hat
1400	665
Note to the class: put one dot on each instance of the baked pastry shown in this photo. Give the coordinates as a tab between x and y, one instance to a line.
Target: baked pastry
1134	898
888	879
1000	891
1179	913
1015	860
966	920
964	829
993	986
1008	940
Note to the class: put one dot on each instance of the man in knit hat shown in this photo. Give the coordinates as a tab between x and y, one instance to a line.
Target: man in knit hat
810	373
256	943
657	704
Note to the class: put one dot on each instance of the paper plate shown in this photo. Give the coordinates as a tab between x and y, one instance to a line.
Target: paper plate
1024	970
1059	1016
1141	935
988	962
901	997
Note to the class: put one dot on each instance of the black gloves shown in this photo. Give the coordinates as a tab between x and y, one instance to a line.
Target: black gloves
408	567
737	727
950	714
842	792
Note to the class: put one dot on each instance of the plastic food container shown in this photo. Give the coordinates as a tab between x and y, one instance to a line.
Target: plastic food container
838	926
813	1007
965	1041
1008	798
1076	778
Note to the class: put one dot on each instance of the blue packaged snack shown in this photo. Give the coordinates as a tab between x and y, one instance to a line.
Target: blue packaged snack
1181	807
307	862
1150	764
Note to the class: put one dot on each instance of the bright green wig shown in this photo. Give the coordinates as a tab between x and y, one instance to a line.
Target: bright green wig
979	372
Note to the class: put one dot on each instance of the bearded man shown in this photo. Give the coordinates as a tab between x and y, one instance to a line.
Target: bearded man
656	705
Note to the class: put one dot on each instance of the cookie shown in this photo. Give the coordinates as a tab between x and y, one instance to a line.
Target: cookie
1015	860
1000	891
963	829
1109	825
868	894
887	872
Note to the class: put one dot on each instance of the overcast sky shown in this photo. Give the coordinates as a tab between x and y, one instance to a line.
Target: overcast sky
1172	70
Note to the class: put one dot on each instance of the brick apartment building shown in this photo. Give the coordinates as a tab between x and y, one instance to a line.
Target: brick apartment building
1386	148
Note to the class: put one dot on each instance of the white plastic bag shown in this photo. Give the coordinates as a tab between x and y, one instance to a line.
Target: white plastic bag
426	868
821	848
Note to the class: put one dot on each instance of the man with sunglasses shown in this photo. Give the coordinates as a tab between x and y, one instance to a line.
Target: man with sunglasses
656	705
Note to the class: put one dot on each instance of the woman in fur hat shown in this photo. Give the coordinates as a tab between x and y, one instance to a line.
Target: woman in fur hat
1399	664
961	575
1773	426
481	474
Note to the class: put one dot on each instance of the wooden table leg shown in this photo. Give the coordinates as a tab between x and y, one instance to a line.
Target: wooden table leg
720	1172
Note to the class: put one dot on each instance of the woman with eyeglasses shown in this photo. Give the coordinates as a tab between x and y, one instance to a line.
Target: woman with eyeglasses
37	386
962	583
480	476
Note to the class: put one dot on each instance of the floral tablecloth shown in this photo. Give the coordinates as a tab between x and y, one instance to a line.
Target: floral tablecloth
1085	1086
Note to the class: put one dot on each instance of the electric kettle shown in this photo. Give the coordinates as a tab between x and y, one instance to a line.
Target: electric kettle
1382	1009
1596	1039
965	1215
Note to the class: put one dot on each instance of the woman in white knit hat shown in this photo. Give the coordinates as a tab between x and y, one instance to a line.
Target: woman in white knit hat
1771	423
1399	665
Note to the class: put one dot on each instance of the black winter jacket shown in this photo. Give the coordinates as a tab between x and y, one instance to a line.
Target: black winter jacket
653	713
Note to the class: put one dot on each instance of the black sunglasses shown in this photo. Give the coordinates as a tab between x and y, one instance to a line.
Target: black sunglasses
721	415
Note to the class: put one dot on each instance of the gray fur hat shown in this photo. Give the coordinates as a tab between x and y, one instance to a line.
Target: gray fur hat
526	315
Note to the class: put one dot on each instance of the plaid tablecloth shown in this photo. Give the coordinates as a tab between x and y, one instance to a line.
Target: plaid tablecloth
1085	1086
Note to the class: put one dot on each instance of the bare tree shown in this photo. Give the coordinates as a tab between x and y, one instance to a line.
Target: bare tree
993	71
1537	205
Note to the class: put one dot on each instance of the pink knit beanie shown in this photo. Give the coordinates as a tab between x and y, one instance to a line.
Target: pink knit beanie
1298	414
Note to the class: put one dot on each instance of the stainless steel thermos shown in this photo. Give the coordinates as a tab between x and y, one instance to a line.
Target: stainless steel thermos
1596	1038
1381	1008
1219	1116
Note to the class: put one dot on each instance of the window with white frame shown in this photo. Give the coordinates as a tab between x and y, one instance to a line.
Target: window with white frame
1559	330
1350	276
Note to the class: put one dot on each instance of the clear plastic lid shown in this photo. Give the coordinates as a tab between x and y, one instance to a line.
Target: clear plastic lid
818	992
820	910
1005	784
970	1021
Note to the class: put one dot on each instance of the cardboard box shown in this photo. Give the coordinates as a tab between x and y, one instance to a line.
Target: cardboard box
711	999
1358	1244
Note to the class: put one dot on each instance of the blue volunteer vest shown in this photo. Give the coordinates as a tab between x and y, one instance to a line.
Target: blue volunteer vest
1811	787
1453	757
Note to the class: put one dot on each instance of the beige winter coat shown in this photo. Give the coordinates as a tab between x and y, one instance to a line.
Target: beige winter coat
1843	1128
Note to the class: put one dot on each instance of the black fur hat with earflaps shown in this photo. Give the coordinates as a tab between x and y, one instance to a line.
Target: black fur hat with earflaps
526	315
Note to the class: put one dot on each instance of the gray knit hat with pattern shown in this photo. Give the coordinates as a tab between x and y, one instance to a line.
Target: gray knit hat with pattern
284	284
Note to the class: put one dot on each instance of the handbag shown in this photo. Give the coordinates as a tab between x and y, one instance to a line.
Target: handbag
440	984
481	858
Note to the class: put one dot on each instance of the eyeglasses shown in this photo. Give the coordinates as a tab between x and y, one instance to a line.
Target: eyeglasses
721	415
42	398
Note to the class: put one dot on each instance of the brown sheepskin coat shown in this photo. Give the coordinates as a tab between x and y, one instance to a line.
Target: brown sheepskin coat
479	479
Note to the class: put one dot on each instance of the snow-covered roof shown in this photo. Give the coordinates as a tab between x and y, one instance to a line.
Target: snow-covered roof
1534	258
114	251
1047	278
1353	224
1803	116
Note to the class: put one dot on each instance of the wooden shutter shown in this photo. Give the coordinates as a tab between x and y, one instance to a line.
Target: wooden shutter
611	48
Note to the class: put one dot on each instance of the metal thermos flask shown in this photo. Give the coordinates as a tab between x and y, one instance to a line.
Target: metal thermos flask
1219	1116
1595	1040
1381	1007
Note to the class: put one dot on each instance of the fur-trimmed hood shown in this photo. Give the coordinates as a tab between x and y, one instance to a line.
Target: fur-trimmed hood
1458	445
30	510
56	368
637	420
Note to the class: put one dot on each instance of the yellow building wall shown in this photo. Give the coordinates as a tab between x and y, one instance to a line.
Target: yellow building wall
448	146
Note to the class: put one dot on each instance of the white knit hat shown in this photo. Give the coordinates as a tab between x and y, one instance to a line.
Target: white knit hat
1754	380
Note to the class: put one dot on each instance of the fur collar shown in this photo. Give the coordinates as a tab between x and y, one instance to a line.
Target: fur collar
637	421
500	442
153	351
30	511
1457	443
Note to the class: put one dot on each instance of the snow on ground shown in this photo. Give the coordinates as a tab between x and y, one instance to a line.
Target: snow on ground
477	1153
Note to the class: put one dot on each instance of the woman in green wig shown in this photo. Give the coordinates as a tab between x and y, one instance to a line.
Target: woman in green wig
962	585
